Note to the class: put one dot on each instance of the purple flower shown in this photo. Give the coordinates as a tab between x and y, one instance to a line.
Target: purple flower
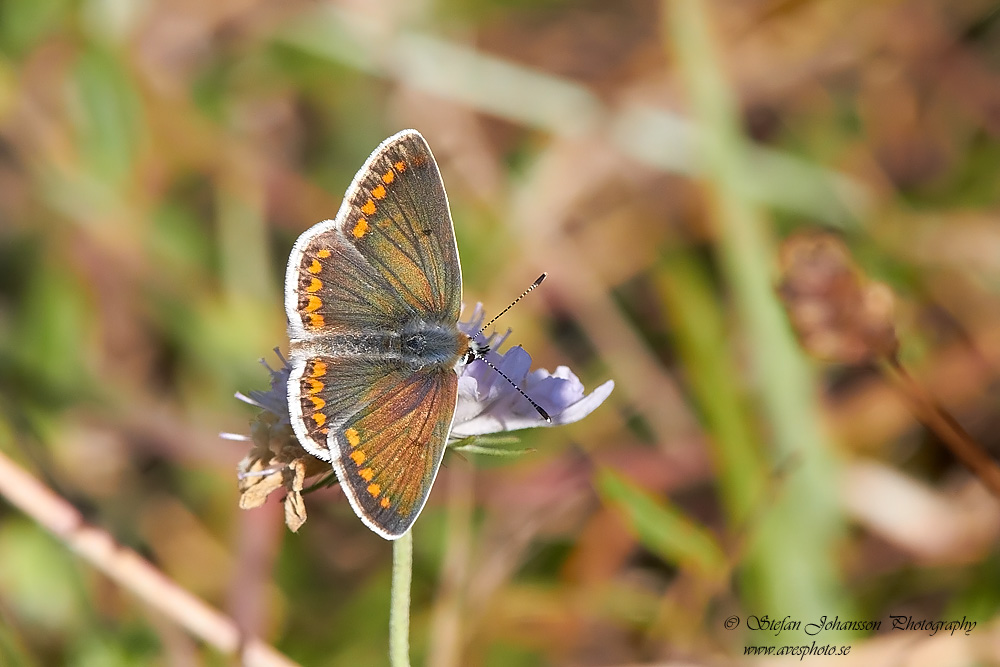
274	400
487	403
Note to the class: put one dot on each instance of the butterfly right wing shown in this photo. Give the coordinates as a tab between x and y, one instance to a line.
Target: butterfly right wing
383	428
325	390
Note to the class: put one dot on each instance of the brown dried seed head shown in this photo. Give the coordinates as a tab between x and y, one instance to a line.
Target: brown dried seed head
837	313
277	461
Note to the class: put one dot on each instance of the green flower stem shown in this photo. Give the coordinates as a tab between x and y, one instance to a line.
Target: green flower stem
399	611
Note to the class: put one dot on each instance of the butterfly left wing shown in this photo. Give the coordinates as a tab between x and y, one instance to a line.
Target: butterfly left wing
396	215
388	257
383	427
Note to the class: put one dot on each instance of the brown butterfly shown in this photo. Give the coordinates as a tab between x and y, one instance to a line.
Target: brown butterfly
373	298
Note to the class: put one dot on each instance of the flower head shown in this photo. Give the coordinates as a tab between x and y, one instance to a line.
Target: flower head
276	459
487	403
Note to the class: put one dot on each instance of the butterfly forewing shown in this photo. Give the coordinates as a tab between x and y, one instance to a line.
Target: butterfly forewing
398	219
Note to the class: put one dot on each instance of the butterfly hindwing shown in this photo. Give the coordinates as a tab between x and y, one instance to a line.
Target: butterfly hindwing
325	390
331	288
383	428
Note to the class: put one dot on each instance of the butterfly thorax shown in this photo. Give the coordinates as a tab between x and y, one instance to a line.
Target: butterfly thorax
432	344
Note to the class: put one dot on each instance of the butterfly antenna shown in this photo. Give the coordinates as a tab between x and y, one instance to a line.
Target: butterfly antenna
536	406
512	304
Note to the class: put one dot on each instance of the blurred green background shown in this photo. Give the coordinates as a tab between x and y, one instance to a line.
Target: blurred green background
158	159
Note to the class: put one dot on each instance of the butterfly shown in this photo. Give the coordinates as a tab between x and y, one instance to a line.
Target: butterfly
373	299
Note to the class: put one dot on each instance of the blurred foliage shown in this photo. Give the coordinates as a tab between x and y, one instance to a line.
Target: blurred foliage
158	159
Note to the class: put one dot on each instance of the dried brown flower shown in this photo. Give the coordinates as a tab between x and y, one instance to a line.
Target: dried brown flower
277	461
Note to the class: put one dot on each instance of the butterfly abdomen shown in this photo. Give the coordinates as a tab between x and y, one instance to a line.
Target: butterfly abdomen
419	345
376	345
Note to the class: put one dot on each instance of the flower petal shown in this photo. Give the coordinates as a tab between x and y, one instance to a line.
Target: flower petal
487	403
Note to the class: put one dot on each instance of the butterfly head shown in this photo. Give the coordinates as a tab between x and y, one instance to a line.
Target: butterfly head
475	350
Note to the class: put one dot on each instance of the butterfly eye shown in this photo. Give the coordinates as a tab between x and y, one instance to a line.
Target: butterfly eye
475	351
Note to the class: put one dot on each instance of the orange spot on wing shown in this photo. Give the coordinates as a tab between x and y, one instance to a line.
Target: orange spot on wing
366	474
399	166
385	503
379	192
358	456
315	267
318	369
369	207
360	228
316	321
315	386
324	253
317	402
315	303
319	418
352	437
374	489
315	285
388	177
